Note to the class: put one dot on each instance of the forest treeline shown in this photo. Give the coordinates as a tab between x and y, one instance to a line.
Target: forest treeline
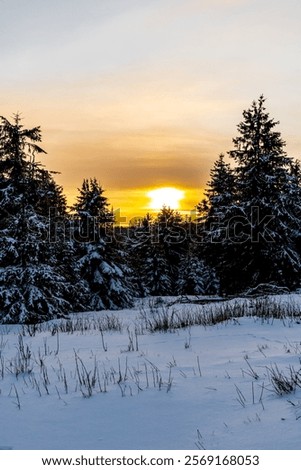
56	259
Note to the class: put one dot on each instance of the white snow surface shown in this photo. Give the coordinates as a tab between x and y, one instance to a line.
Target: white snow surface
198	387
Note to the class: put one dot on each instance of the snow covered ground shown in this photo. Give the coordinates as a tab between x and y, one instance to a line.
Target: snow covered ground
108	382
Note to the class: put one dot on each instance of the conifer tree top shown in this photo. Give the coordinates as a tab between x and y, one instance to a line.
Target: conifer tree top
15	140
257	136
259	152
18	147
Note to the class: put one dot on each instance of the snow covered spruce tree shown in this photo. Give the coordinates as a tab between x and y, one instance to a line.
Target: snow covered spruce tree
195	276
32	286
267	193
215	211
140	251
156	247
101	257
152	270
219	196
261	222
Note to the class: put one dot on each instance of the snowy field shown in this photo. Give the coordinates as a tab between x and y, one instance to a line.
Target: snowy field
134	379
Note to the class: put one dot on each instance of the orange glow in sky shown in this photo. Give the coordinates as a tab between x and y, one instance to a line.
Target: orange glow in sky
144	95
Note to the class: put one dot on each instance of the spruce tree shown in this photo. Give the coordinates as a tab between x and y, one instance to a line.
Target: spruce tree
157	246
261	223
32	286
139	249
265	194
196	277
101	259
216	213
151	268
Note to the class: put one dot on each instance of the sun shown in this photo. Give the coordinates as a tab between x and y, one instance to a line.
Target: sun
169	197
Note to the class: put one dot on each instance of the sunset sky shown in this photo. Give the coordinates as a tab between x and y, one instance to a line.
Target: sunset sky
143	94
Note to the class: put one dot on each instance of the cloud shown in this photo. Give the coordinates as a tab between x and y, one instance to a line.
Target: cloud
143	93
165	156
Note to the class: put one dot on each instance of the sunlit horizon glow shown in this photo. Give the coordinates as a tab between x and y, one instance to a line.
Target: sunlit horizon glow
166	196
147	94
